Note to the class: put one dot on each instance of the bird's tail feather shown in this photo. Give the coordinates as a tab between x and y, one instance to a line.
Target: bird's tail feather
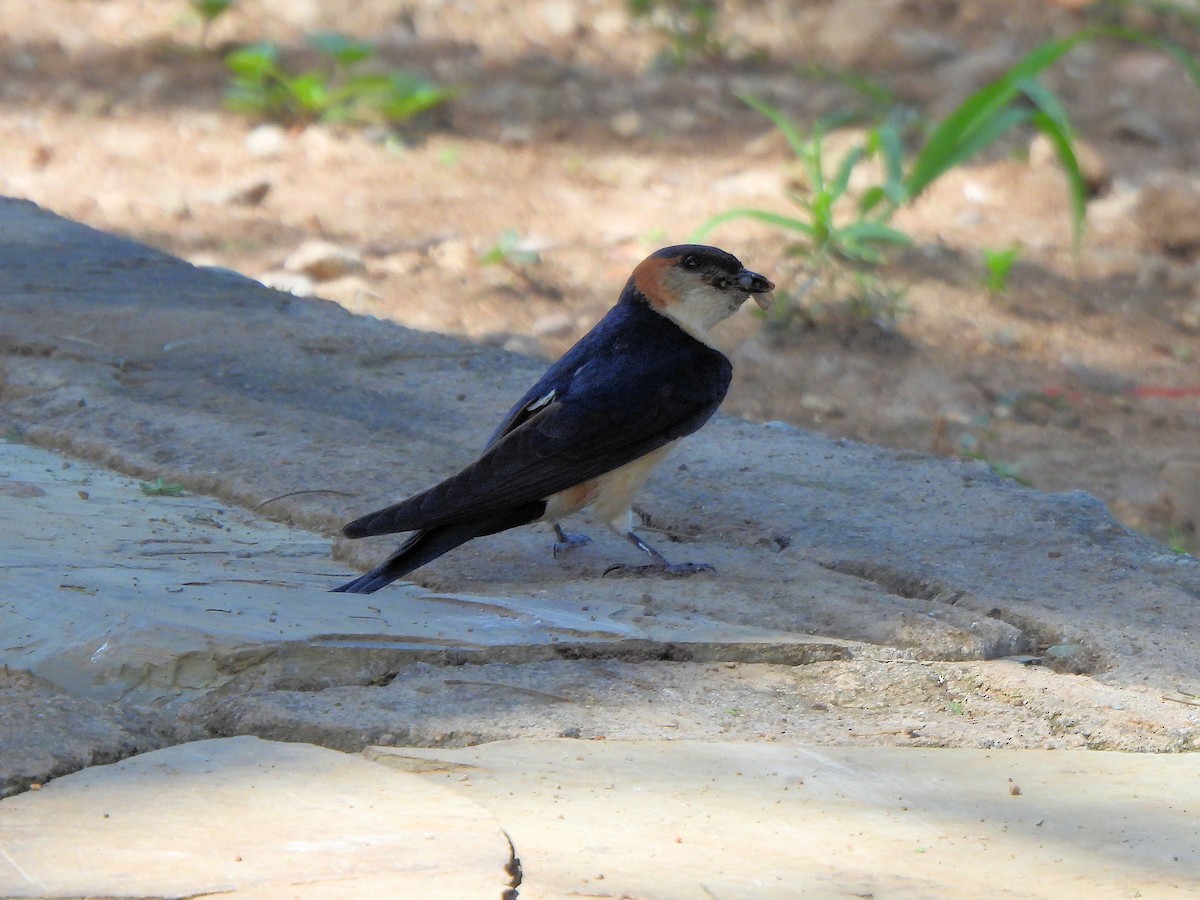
426	546
382	521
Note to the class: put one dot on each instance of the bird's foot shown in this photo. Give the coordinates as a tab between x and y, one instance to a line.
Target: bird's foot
676	570
660	566
567	542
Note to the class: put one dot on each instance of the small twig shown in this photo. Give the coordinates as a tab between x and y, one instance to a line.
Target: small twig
85	341
298	493
1181	700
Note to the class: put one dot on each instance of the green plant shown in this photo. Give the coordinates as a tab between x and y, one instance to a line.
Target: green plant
509	252
1018	98
512	253
1015	98
208	12
828	243
827	236
1180	541
160	487
1004	470
999	265
689	25
262	86
820	234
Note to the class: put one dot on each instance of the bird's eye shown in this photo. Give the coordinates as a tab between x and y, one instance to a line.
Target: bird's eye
690	262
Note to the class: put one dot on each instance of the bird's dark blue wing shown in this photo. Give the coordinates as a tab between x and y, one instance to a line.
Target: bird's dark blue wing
635	383
595	345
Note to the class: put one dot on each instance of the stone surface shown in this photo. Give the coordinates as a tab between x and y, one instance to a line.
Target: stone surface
752	820
247	818
164	598
866	697
899	573
45	733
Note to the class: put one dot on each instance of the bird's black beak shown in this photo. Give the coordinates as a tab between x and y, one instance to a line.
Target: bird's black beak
758	286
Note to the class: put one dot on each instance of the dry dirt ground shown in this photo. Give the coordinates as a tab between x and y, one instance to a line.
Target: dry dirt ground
1081	374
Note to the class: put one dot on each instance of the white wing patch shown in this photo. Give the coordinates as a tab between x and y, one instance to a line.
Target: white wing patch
543	401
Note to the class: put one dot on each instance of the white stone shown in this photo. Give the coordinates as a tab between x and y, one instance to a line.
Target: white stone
266	141
250	818
289	282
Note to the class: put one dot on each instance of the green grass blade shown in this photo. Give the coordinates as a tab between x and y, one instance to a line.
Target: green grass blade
871	198
958	132
875	232
254	61
759	215
1043	98
887	137
1063	142
864	240
344	50
814	163
842	179
1052	121
794	138
309	93
983	136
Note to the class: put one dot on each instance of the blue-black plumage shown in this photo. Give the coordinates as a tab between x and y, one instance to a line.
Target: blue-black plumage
591	429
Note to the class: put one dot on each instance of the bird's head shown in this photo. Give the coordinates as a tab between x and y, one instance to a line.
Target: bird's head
698	286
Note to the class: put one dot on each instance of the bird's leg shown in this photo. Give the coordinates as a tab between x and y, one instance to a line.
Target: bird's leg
660	566
567	542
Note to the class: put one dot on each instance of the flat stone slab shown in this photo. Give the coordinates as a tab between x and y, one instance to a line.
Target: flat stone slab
680	819
241	817
45	732
929	599
154	599
124	355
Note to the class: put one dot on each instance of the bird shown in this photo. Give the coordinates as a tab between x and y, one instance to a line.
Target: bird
590	431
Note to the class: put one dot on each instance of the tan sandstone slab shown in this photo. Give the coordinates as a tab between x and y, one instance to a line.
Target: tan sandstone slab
736	821
249	818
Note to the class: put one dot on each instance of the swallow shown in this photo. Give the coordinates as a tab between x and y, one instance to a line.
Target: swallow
590	431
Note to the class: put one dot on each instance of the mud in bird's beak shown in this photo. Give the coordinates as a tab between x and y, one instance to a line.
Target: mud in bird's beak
758	287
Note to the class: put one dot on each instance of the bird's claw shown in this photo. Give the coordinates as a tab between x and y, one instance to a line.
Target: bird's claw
567	542
676	570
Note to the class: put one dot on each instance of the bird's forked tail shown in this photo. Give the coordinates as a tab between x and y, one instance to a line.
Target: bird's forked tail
426	546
